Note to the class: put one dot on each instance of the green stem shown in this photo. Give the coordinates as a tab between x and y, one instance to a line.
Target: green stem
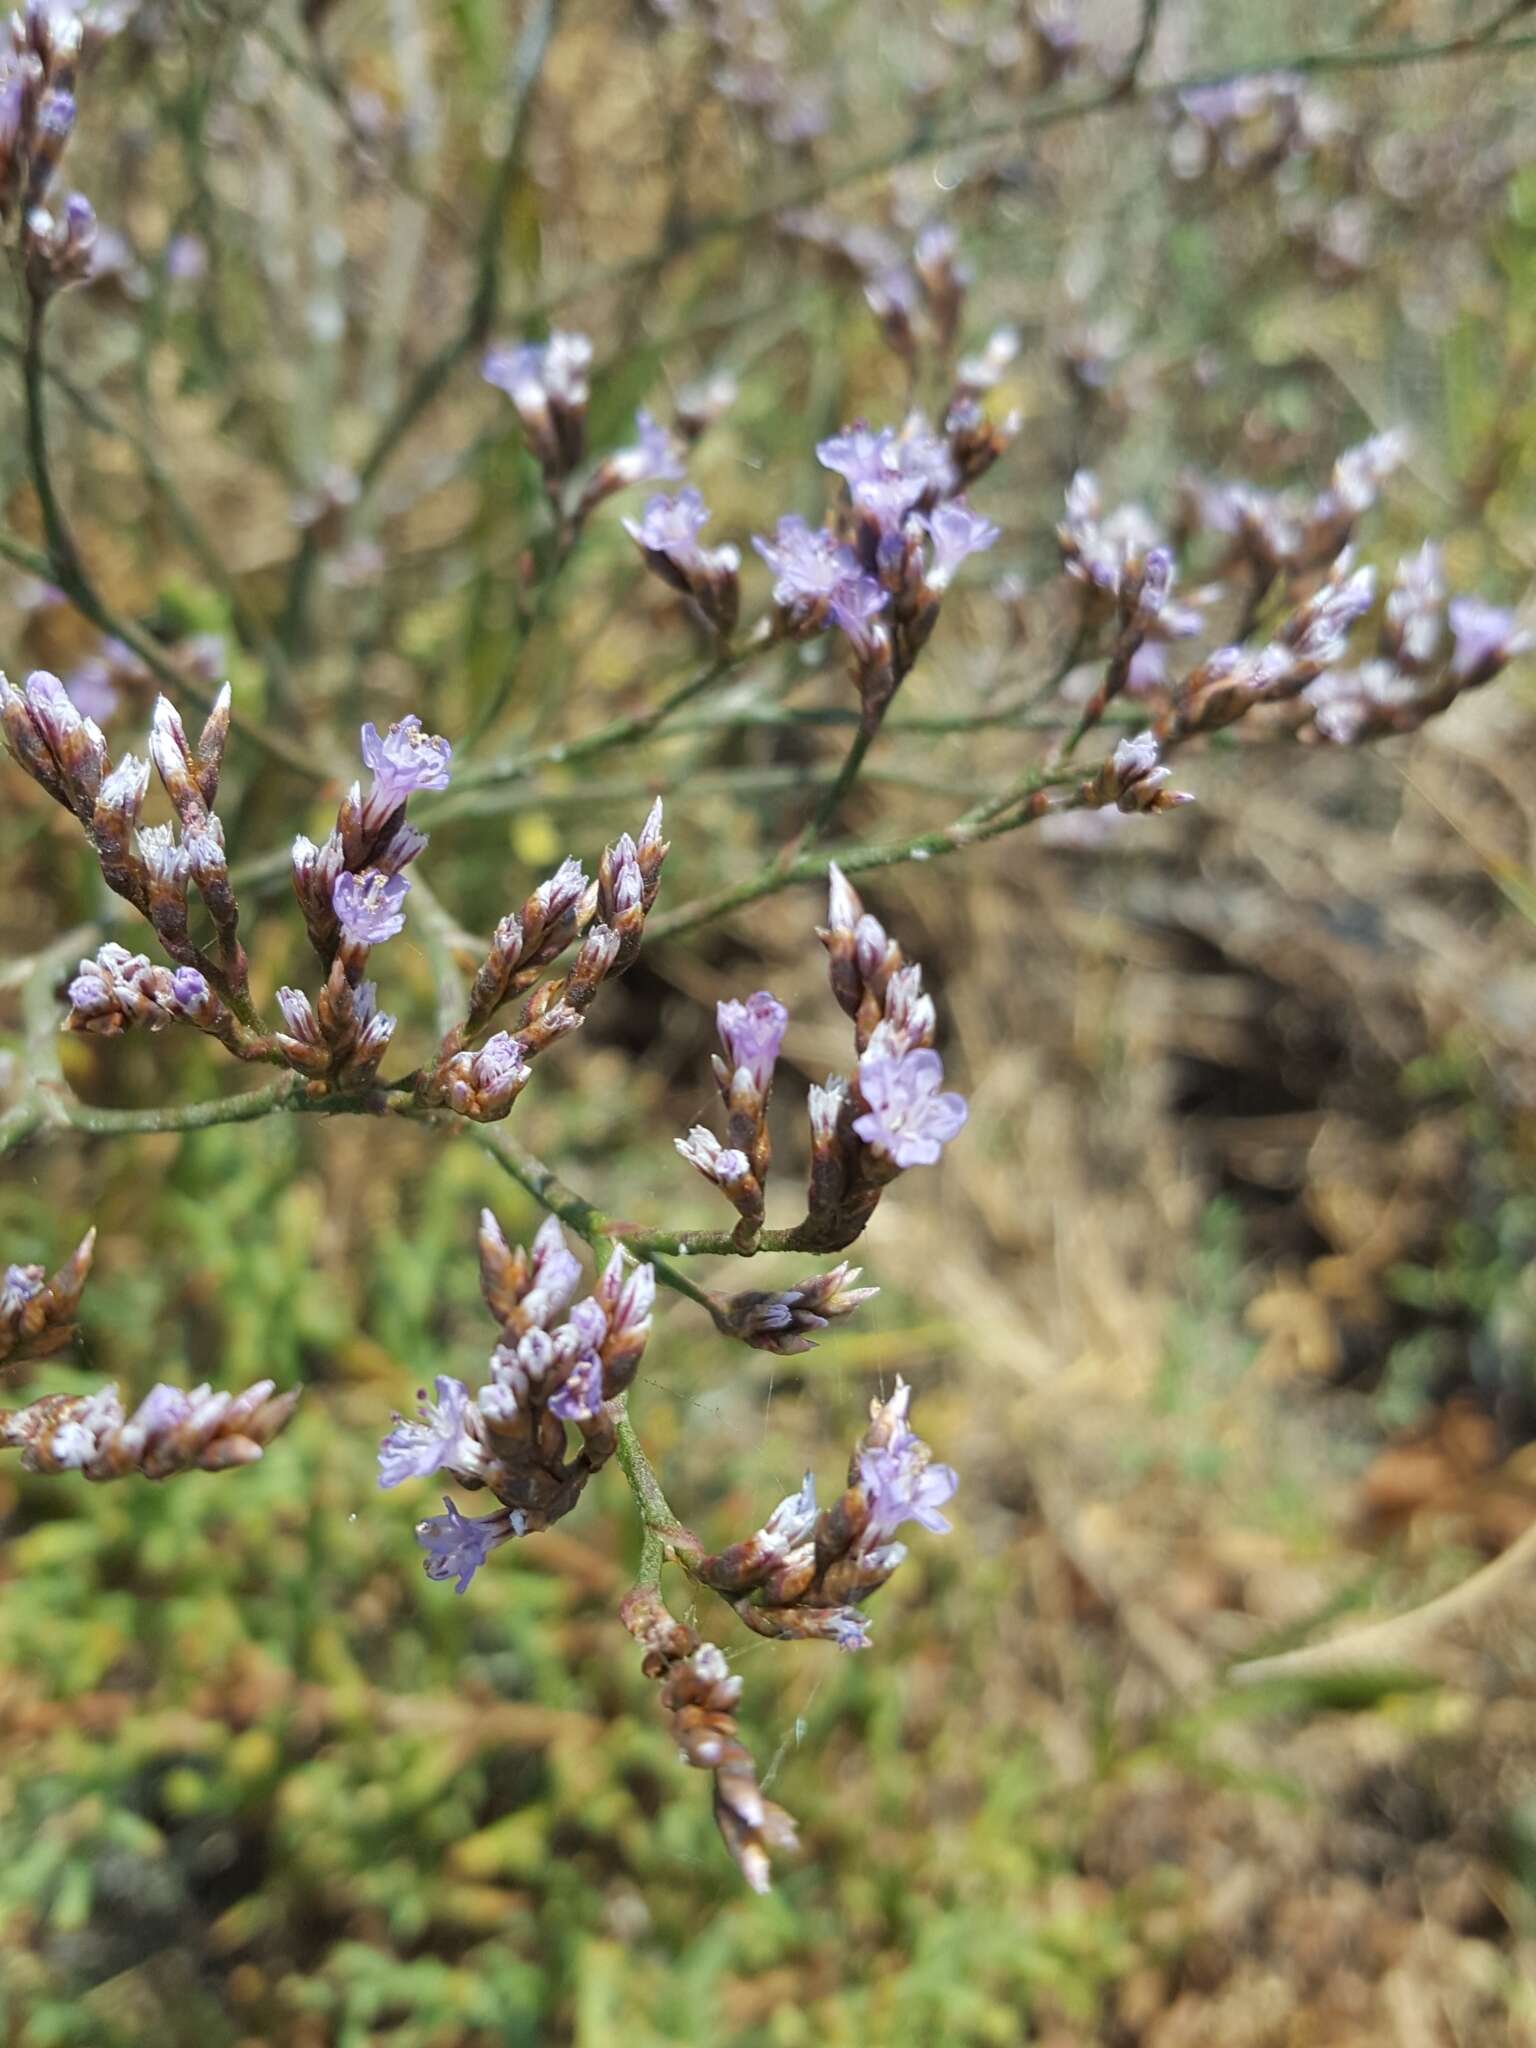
66	568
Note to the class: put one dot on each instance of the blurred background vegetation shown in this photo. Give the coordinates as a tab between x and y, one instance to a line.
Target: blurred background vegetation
1224	1306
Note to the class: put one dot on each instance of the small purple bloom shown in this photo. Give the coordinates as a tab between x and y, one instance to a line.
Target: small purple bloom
1148	669
752	1033
1483	638
809	566
580	1398
907	1117
671	526
189	990
370	907
406	759
901	1485
955	531
849	1629
162	1408
652	458
20	1285
856	608
413	1449
457	1544
92	690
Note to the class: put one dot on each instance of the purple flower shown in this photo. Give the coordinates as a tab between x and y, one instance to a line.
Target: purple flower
163	1408
899	1480
955	531
580	1398
413	1449
907	1118
189	991
405	760
671	526
531	372
92	690
1148	669
1483	638
653	457
848	1628
856	608
457	1545
20	1285
752	1033
890	474
809	566
370	907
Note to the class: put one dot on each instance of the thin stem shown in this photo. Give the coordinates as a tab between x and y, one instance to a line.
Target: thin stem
812	866
65	565
434	374
655	1509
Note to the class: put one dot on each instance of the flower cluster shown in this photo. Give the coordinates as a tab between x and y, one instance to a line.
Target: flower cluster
172	1430
548	385
891	1114
880	571
38	73
1428	652
894	1112
607	916
557	1364
1287	533
37	1315
699	1696
351	892
667	534
152	867
751	1033
804	1573
780	1320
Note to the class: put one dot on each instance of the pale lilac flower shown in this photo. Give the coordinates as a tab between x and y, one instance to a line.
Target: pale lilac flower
907	1118
653	458
20	1285
556	1274
92	690
752	1033
532	372
457	1544
406	759
809	566
1148	669
727	1168
76	1442
370	907
163	1408
848	1628
413	1449
189	991
955	531
856	608
671	526
899	1481
581	1396
1483	639
889	474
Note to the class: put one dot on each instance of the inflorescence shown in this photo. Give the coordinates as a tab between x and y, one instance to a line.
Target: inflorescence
1242	607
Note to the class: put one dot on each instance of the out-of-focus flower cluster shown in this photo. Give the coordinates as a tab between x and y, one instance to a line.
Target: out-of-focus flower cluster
548	384
170	1431
39	69
37	1315
557	1363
